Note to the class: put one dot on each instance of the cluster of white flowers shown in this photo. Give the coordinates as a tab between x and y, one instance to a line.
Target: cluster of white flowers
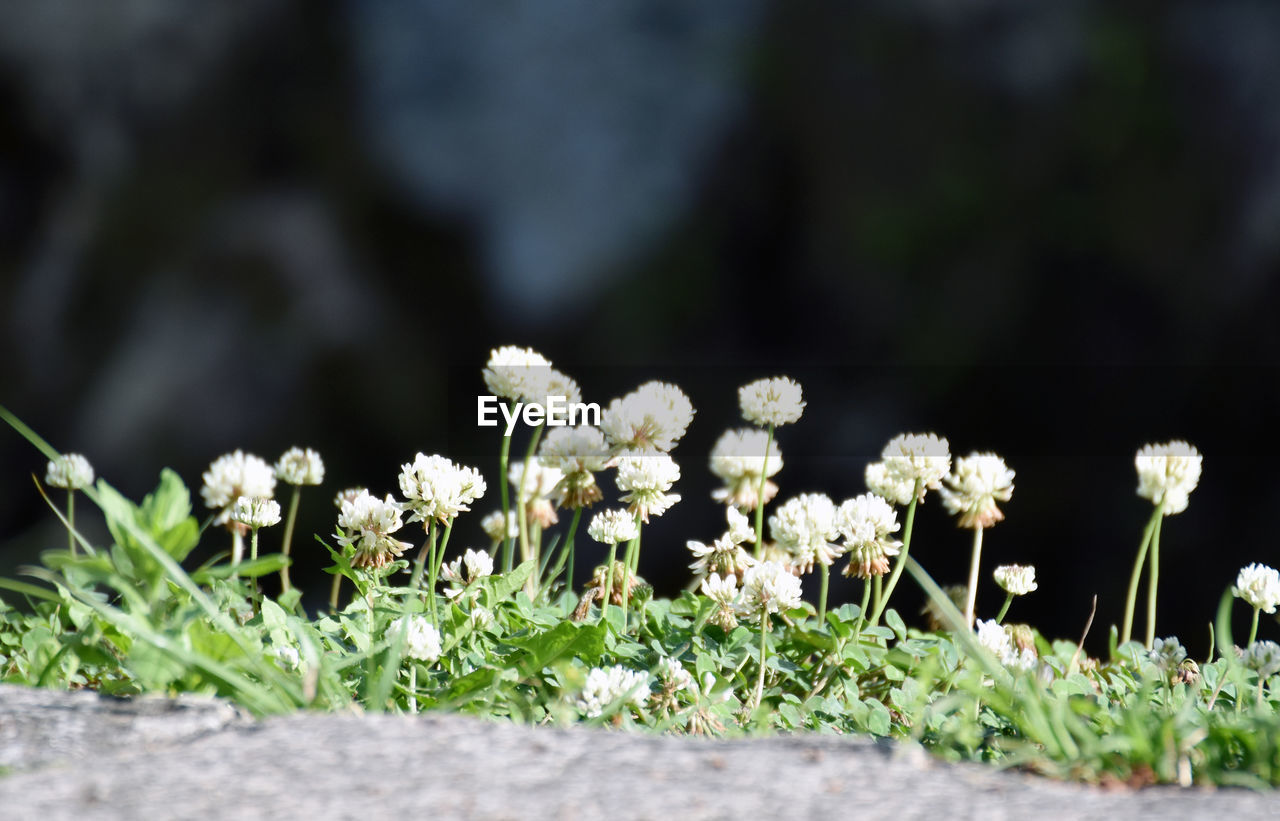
578	453
996	638
465	571
524	375
603	687
492	526
768	587
1168	473
907	459
368	523
775	401
437	489
300	467
725	555
645	480
422	639
723	590
233	475
672	675
1264	657
70	471
805	527
893	490
1166	654
867	524
1259	586
348	495
653	417
1017	579
613	527
287	656
980	480
255	512
738	459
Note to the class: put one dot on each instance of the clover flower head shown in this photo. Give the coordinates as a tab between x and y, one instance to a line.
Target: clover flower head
768	587
1264	657
979	481
492	526
867	524
723	590
515	373
466	570
422	639
892	489
645	479
578	453
604	686
775	401
438	489
287	656
233	475
613	527
1167	474
999	640
805	526
1017	579
255	512
738	458
740	529
671	674
300	467
70	471
1259	586
348	495
653	417
539	482
481	618
1166	654
912	457
369	523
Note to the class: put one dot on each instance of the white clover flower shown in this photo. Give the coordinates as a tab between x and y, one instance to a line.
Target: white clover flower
613	527
606	686
740	529
438	489
653	417
578	453
287	656
775	401
348	495
768	587
233	475
422	639
512	371
369	523
1168	473
997	639
1016	578
645	480
738	458
893	490
1263	656
545	383
300	467
1166	654
909	457
726	555
70	471
867	524
720	589
672	676
805	527
492	526
979	481
540	482
1259	586
477	564
255	512
481	618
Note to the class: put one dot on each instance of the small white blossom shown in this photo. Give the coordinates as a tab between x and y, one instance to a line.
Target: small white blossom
740	529
996	638
892	489
477	564
578	453
645	480
979	481
768	587
538	483
233	475
368	524
1259	586
726	555
1166	654
775	401
805	527
70	471
348	495
909	457
1016	578
438	489
481	618
287	656
867	524
514	373
613	527
255	512
492	526
1263	656
422	639
300	467
737	458
653	417
1168	473
606	686
672	675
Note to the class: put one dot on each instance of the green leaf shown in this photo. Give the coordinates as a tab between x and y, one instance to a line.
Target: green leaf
261	566
509	583
567	638
894	622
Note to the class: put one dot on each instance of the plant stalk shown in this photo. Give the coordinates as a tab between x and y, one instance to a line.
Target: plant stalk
764	478
1126	632
971	600
882	603
1153	582
288	536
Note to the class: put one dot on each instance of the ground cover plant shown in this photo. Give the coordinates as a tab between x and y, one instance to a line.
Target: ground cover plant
414	623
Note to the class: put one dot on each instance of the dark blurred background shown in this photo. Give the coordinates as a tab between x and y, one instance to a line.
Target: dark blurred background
1047	229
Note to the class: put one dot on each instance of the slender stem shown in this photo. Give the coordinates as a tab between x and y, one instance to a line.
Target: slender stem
71	520
568	549
764	634
902	556
1153	582
253	557
608	582
420	564
522	507
413	688
503	457
333	592
1253	631
288	536
764	478
437	560
822	595
237	549
862	611
635	555
1126	632
1008	599
972	598
877	592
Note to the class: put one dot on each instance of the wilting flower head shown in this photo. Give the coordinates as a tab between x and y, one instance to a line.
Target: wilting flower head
999	641
605	686
369	523
653	417
1259	586
768	587
1263	656
893	490
738	458
723	590
909	457
70	471
1017	579
1166	654
492	526
255	512
438	489
578	453
422	639
1168	473
726	555
514	373
477	564
805	526
233	475
979	481
645	479
613	527
300	467
775	401
867	524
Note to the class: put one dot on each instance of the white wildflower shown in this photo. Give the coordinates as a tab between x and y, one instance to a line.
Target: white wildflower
645	480
492	526
1016	578
514	373
466	570
768	587
1259	586
737	458
892	489
653	417
70	471
997	639
287	656
437	489
300	467
606	686
613	527
348	495
422	639
368	524
1263	656
578	453
1168	473
979	481
255	512
533	489
725	555
805	527
1166	654
867	524
672	676
233	475
912	457
775	401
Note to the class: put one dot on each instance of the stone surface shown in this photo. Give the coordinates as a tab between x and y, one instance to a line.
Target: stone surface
200	759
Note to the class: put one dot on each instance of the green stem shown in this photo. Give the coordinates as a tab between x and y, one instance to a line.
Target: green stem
971	600
902	556
822	595
566	554
71	520
288	536
862	611
522	507
427	551
1008	599
764	634
503	458
1153	581
764	478
253	557
1126	632
437	560
333	592
608	582
1253	631
413	688
237	549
